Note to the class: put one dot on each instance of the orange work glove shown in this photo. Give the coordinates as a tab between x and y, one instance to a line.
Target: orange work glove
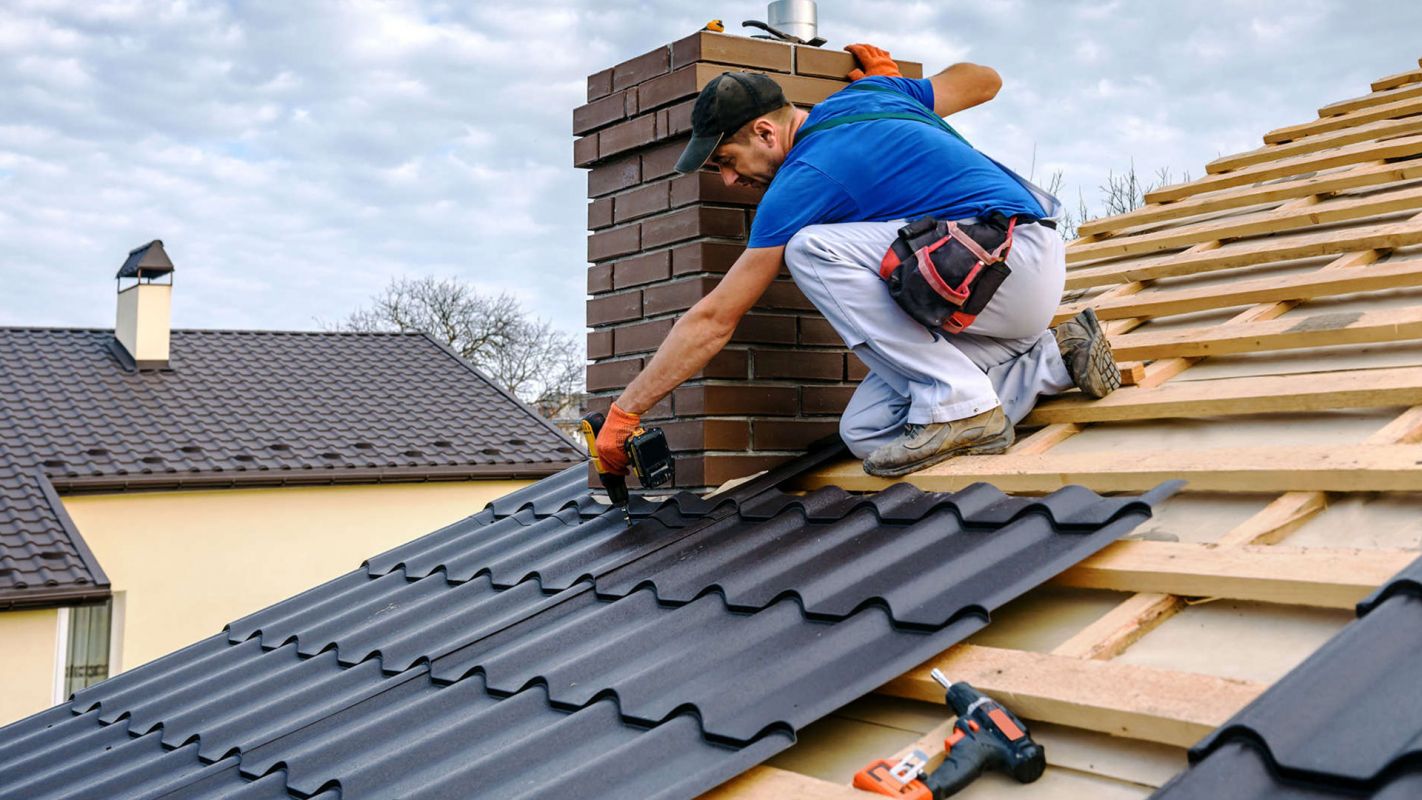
612	439
874	60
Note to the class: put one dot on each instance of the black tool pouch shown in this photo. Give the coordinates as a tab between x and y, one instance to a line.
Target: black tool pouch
944	273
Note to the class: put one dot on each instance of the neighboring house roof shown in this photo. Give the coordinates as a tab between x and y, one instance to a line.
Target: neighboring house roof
544	647
234	408
1346	723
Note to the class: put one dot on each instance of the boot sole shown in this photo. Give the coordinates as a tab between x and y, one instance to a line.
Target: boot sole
993	447
1102	375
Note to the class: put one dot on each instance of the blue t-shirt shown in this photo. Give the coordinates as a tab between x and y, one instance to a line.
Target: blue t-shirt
882	170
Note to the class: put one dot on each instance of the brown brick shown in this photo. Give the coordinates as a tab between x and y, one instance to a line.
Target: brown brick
629	102
714	257
728	364
599	404
694	222
679	85
599	84
677	295
599	113
628	135
600	213
614	175
585	151
643	67
676	119
717	469
599	278
642	337
662	410
660	161
854	369
836	64
613	242
599	344
645	268
824	399
785	295
612	374
717	399
739	51
614	308
708	434
707	187
765	328
799	365
791	434
641	201
815	330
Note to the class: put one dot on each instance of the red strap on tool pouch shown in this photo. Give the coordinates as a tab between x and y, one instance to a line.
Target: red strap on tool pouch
910	263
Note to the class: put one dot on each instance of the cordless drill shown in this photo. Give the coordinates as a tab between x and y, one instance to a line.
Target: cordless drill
986	736
648	455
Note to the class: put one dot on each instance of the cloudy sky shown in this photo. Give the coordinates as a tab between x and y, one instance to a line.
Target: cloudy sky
294	156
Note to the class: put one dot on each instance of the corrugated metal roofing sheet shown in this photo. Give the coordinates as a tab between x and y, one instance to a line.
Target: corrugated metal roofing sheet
542	647
236	405
1347	722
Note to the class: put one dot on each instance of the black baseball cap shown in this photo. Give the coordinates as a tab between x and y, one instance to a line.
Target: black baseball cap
729	101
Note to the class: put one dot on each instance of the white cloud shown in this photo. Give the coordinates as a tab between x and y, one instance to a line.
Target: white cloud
294	157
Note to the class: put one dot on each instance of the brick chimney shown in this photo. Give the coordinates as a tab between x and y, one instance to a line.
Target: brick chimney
659	242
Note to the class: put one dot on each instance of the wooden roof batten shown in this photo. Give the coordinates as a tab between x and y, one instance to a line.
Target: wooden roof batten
1270	198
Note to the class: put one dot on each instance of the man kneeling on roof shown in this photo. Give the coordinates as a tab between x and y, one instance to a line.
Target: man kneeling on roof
938	266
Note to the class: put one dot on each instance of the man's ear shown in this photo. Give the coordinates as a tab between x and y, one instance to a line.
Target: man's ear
764	130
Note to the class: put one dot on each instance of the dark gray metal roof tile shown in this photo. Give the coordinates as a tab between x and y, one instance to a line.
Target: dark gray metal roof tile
1346	722
374	684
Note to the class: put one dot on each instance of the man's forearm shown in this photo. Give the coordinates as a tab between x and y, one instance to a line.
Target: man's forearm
693	341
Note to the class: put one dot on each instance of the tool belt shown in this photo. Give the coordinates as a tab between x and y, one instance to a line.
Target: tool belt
943	273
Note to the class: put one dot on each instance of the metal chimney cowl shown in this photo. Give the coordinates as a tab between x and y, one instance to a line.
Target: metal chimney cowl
798	18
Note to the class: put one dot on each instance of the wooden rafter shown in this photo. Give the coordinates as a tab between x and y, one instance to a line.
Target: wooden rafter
1125	700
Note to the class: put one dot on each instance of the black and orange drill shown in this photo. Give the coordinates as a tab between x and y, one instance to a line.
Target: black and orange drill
648	455
985	737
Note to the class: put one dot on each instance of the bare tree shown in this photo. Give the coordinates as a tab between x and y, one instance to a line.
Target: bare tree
527	356
1120	194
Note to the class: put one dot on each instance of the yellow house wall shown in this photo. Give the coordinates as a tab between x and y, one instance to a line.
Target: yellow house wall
26	662
189	562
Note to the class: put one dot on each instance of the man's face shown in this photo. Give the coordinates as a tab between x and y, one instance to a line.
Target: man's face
750	161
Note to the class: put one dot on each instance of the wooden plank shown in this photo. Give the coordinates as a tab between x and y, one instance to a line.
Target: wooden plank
1341	468
1410	76
1368	173
1318	330
1288	167
1274	221
1315	577
1277	520
1377	98
1132	372
1400	108
1363	388
1120	627
1308	245
1137	702
1045	439
1263	290
1373	131
772	783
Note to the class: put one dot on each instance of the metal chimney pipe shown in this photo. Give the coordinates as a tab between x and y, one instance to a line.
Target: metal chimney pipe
795	17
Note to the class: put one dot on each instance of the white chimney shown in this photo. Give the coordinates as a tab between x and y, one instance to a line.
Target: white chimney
144	307
799	18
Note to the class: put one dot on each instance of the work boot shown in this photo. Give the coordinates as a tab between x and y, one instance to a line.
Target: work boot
1087	355
922	446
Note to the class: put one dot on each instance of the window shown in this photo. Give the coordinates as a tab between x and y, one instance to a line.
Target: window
86	659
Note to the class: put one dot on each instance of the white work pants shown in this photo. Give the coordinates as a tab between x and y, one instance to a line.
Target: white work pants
1007	357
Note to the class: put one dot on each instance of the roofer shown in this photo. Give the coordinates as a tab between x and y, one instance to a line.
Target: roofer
950	373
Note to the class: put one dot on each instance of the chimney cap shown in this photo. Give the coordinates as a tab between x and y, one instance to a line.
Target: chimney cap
148	261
